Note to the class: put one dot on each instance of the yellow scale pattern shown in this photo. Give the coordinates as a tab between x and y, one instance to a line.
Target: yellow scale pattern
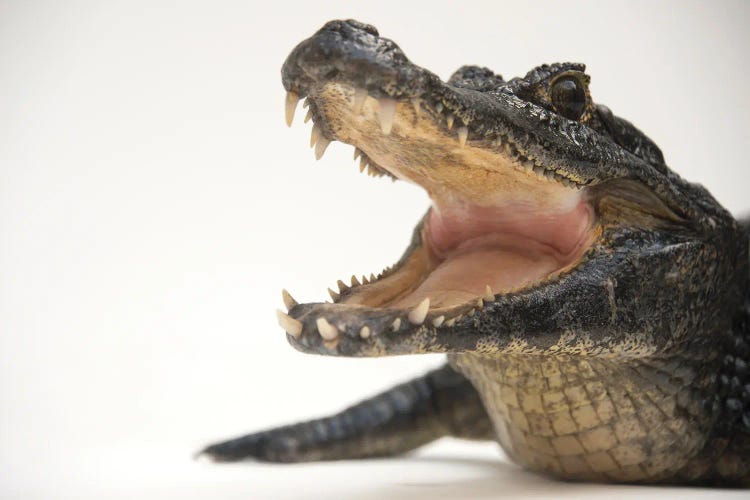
589	419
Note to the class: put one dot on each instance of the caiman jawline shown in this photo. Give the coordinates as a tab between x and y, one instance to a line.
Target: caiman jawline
498	224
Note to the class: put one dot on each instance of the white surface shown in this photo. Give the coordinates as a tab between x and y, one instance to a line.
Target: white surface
446	470
153	204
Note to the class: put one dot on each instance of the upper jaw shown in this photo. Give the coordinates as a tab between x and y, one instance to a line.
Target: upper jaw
433	150
405	122
489	115
352	56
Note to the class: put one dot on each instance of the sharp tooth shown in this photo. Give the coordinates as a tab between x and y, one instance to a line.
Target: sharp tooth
450	322
539	171
291	106
320	147
335	296
289	301
342	286
308	115
419	313
365	281
362	164
314	135
289	324
326	330
386	113
528	165
372	277
355	281
416	103
360	95
488	295
396	324
306	103
480	303
365	332
357	153
449	121
463	133
438	321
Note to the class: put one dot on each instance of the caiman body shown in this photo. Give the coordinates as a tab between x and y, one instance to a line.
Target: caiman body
593	305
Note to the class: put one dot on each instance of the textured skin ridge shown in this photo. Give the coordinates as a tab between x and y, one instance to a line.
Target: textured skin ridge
733	398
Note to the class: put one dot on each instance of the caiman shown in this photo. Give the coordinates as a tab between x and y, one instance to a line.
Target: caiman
593	305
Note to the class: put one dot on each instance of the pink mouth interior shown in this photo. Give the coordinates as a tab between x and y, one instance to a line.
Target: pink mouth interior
506	247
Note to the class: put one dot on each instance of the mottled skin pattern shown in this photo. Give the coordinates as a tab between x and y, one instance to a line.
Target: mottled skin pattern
632	366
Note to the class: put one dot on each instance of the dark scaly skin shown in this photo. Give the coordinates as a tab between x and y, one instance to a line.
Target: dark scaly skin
632	366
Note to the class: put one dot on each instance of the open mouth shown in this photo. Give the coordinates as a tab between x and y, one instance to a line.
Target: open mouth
501	222
496	226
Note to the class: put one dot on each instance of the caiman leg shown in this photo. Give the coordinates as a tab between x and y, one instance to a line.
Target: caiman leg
440	403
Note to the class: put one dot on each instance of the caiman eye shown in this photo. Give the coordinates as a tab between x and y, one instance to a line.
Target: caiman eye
569	97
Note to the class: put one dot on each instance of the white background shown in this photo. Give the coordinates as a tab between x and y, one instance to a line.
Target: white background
153	204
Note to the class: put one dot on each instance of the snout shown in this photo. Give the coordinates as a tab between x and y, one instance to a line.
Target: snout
353	53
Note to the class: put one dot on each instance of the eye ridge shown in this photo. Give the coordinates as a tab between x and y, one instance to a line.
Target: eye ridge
568	96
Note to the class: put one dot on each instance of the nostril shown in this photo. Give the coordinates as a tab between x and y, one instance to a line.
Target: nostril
365	27
351	52
334	25
349	26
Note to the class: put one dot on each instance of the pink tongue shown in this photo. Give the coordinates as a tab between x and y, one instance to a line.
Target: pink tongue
505	248
465	276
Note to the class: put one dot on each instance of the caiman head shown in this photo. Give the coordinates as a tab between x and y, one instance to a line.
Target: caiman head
555	226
